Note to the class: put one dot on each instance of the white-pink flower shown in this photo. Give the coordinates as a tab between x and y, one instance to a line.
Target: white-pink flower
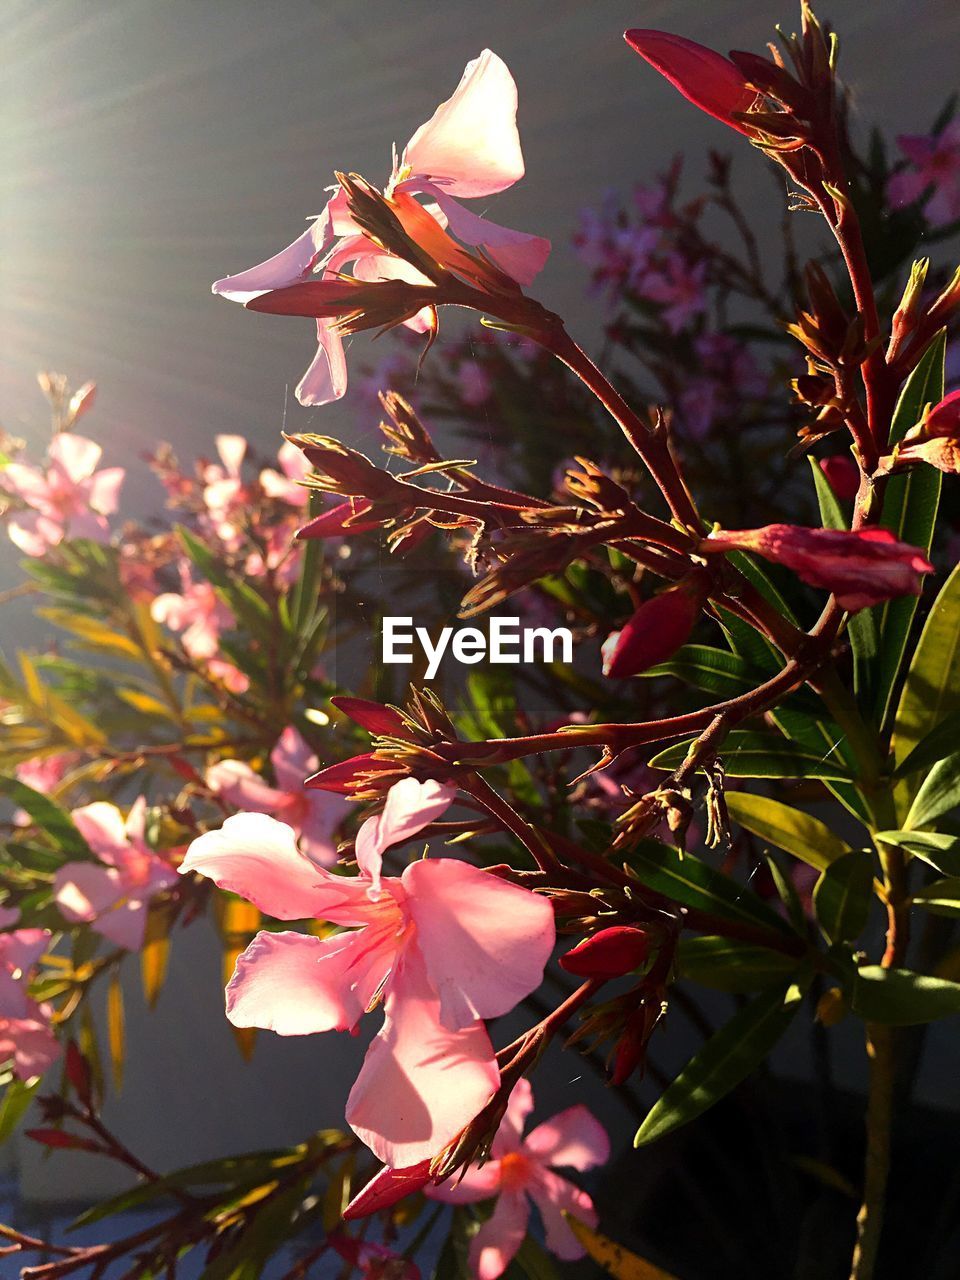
25	1035
444	946
68	499
522	1170
196	612
285	483
114	896
314	815
223	491
470	147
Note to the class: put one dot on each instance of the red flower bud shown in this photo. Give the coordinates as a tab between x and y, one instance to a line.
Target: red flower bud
348	776
386	1188
705	78
944	418
78	1072
608	954
631	1049
372	716
60	1138
337	522
843	475
656	631
862	567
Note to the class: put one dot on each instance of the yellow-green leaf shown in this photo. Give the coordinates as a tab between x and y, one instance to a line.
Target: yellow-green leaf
613	1258
806	837
116	1034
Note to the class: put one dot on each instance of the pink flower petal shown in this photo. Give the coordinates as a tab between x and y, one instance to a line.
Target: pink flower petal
495	1244
555	1196
297	985
485	942
84	891
22	949
479	1182
326	377
125	923
411	805
75	456
292	760
102	826
286	267
34	533
323	816
521	255
471	143
232	451
420	1083
9	915
574	1139
236	783
30	1043
27	482
104	490
257	857
510	1134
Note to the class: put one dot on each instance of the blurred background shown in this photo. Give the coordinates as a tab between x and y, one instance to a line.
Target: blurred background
149	148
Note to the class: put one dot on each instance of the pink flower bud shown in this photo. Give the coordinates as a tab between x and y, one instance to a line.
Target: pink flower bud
705	78
348	776
843	475
861	567
386	1188
81	402
656	631
608	954
372	716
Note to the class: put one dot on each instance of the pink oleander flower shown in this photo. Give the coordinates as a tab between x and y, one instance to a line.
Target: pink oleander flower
679	288
705	78
934	166
25	1034
196	612
42	773
444	946
232	678
114	897
314	815
861	568
285	483
470	147
522	1169
70	499
656	631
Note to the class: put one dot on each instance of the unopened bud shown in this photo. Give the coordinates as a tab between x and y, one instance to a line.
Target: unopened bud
657	629
611	953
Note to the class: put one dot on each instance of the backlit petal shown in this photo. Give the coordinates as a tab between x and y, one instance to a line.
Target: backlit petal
573	1139
495	1244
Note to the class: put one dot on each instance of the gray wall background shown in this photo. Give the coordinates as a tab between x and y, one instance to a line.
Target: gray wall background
150	146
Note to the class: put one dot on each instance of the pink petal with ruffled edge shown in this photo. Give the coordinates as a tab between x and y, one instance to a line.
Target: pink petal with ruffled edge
471	143
495	1244
236	783
411	805
555	1196
298	985
573	1139
326	377
420	1083
257	857
485	942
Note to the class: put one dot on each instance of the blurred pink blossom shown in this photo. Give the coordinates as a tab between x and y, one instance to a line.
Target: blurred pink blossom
284	484
934	164
444	945
114	897
314	815
25	1034
196	612
521	1170
69	499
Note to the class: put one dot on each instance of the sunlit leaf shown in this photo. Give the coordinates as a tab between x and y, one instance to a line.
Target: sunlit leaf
748	754
613	1258
116	1029
792	830
843	894
900	997
938	795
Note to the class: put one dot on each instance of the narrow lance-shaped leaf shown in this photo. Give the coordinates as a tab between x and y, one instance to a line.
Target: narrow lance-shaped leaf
902	998
48	816
938	849
792	830
937	745
613	1258
909	512
939	793
728	1057
842	896
942	898
749	754
116	1029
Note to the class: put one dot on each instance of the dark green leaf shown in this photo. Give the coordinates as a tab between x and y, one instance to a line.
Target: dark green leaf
727	965
902	998
938	794
748	754
690	882
17	1097
48	816
789	829
727	1058
843	895
940	851
942	897
938	743
910	513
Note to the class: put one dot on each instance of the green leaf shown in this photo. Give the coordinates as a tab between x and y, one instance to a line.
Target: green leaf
942	897
13	1105
931	692
938	794
690	882
832	515
901	998
725	964
843	895
806	837
727	1058
48	816
748	754
910	513
722	673
940	851
534	1263
938	743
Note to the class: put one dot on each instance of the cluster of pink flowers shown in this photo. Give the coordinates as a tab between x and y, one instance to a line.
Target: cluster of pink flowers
931	174
25	1033
69	498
